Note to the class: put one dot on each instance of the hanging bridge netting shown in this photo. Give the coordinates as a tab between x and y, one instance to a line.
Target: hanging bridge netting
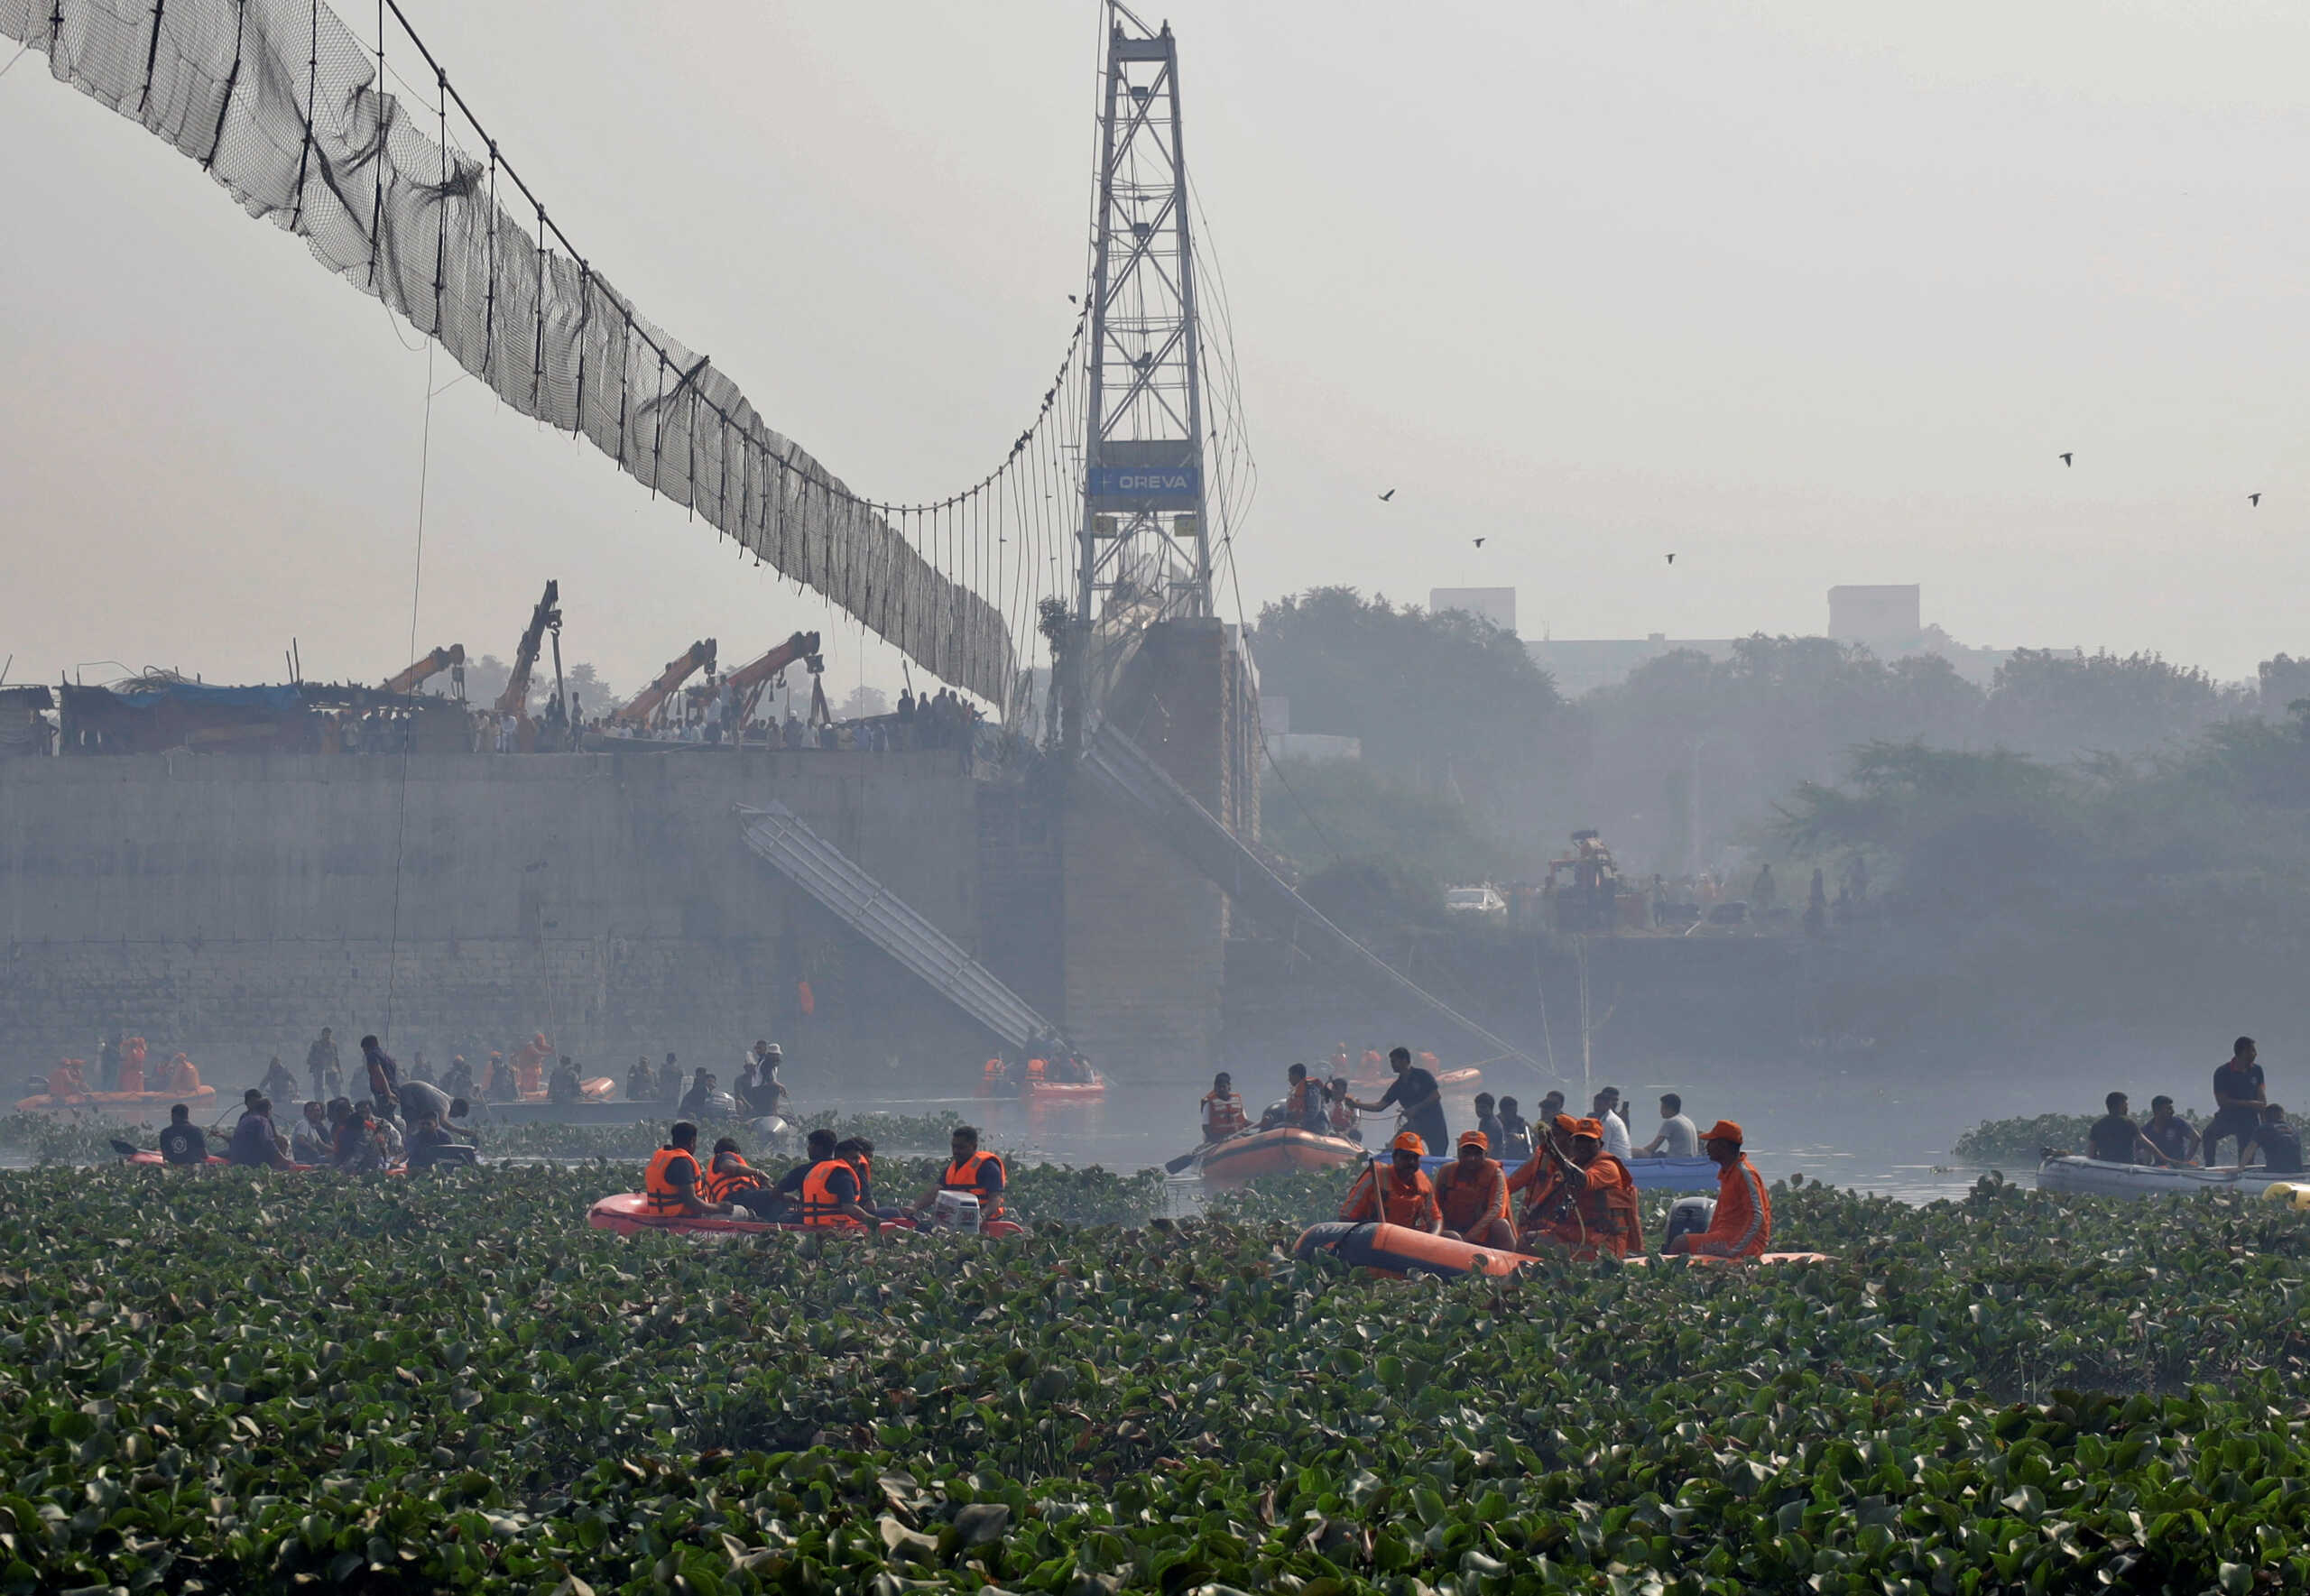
285	105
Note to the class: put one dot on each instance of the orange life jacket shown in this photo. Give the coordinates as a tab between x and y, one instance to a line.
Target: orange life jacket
1412	1204
1429	1061
994	1070
132	1071
1222	1116
963	1176
658	1187
66	1080
820	1204
180	1076
1604	1218
731	1174
1037	1069
1541	1182
1742	1224
1469	1198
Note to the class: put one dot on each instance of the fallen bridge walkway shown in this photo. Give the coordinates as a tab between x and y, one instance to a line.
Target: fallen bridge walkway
1173	816
827	873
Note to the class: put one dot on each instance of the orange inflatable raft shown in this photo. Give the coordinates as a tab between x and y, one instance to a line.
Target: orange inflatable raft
1404	1252
629	1214
1255	1153
126	1107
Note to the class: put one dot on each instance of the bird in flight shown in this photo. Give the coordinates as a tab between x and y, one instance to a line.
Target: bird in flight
1672	560
1388	496
2255	500
1479	542
2065	458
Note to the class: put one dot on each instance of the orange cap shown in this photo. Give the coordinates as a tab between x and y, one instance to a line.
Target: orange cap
1475	1137
1568	1124
1409	1141
1722	1131
1594	1129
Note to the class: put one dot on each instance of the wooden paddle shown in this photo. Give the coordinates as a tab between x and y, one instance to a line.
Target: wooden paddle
1184	1159
125	1148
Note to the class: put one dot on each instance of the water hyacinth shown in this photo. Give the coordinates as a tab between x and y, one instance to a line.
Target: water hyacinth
217	1380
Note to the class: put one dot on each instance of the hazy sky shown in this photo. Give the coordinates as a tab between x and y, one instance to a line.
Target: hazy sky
1807	293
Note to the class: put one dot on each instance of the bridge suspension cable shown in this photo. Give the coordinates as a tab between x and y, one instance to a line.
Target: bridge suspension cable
291	111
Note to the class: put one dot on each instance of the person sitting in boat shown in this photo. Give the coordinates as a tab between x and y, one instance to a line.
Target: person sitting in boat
1472	1194
1343	1120
817	1149
1593	1212
66	1083
1223	1109
1401	1196
1487	1121
1539	1177
565	1086
1741	1226
183	1142
1515	1143
2115	1139
641	1082
699	1099
458	1079
832	1190
729	1178
2281	1144
311	1143
673	1185
356	1142
132	1069
431	1141
980	1174
2169	1133
253	1145
1677	1138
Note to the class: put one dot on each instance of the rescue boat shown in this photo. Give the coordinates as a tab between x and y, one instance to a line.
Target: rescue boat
629	1214
1404	1252
1459	1080
1255	1153
152	1158
125	1107
592	1089
2070	1173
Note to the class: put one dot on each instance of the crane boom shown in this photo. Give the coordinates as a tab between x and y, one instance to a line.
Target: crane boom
515	699
699	656
747	682
426	669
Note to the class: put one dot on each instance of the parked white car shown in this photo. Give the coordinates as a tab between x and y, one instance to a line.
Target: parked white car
1475	901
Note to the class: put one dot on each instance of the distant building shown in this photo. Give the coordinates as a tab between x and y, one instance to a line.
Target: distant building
1284	743
1495	604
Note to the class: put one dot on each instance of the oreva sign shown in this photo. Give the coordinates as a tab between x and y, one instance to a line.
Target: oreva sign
1171	487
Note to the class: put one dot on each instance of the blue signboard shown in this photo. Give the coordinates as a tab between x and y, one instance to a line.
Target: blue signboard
1147	488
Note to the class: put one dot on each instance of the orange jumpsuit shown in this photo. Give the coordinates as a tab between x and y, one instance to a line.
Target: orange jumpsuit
1468	1199
1411	1204
1743	1227
1604	1217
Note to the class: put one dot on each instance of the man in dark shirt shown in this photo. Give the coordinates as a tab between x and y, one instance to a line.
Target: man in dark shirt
1415	1092
252	1146
2169	1133
2237	1101
817	1151
2281	1144
183	1142
2115	1139
383	1074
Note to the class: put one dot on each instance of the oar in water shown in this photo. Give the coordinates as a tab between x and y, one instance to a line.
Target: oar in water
125	1148
1184	1159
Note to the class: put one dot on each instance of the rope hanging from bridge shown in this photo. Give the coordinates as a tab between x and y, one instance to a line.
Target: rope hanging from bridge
282	104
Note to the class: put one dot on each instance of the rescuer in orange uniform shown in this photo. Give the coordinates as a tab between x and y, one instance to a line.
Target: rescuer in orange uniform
1223	1109
1594	1211
674	1184
1401	1196
1538	1177
179	1077
1741	1226
1472	1192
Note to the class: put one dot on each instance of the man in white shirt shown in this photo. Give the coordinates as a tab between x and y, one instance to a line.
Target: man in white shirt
1607	1108
1679	1138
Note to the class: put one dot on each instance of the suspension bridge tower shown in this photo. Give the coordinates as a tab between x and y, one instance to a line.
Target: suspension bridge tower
1147	655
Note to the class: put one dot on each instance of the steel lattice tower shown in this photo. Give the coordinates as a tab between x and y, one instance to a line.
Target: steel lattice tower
1143	547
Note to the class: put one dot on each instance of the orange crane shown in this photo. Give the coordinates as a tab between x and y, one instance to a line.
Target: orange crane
644	704
426	669
748	681
515	700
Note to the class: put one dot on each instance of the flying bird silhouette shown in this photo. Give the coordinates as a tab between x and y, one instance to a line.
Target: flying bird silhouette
1672	560
1388	496
1479	542
2065	458
2255	500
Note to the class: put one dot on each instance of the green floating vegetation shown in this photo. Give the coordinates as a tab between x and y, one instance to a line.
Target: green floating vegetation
219	1380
